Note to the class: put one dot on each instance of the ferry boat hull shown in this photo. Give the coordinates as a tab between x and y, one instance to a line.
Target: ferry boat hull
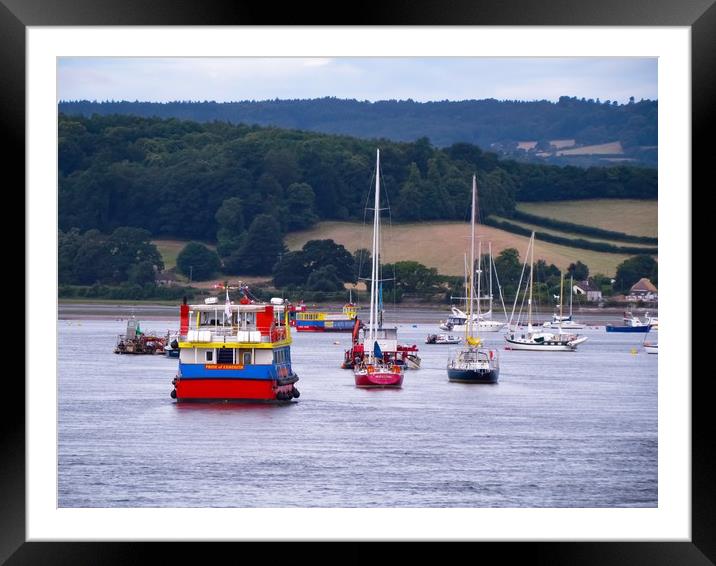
234	390
473	375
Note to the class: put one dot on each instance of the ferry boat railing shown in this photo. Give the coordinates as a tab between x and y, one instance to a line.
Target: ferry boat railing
236	334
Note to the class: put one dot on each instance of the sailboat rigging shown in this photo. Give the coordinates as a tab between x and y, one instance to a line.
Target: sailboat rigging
379	362
473	363
539	340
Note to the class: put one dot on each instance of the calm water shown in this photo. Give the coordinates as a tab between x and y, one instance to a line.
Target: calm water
561	429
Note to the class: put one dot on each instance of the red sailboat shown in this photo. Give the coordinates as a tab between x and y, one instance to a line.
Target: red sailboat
376	369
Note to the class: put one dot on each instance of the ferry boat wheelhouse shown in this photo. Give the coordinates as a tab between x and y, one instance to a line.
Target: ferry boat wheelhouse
234	352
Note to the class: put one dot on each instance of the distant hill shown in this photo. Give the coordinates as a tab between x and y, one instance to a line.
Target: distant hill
541	131
171	177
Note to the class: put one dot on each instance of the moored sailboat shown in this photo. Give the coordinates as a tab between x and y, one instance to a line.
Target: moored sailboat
565	322
376	369
457	320
473	363
539	340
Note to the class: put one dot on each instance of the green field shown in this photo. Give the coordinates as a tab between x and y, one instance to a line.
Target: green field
442	244
636	217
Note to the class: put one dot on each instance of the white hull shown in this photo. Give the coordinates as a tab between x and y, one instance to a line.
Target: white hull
482	326
651	349
547	345
565	325
412	362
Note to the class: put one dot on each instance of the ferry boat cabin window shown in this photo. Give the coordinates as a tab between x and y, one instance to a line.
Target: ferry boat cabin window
247	358
210	355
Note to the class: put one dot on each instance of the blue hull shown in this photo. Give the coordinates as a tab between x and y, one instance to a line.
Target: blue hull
473	376
641	329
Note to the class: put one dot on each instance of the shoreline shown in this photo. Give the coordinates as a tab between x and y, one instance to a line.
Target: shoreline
401	313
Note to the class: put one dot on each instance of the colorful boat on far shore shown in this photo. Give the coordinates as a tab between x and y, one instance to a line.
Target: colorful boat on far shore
311	321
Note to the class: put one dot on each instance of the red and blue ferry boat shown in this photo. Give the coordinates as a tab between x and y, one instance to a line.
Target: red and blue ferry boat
234	352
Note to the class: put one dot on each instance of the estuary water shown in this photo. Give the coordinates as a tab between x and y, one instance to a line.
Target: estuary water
560	429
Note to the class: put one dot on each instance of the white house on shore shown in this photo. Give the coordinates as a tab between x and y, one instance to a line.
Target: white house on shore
593	293
643	290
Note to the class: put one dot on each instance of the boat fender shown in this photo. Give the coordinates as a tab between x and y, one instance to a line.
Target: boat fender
296	393
281	396
173	394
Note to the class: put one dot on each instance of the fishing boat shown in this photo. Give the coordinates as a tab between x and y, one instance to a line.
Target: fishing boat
308	321
565	322
540	340
137	341
171	345
631	324
473	363
376	368
238	353
442	339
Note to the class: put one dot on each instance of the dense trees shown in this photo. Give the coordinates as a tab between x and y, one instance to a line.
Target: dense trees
479	122
211	181
320	264
124	255
633	269
579	271
260	249
198	262
411	277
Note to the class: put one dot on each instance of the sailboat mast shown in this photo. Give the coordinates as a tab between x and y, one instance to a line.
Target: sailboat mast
466	291
376	253
561	291
532	263
571	292
468	327
489	247
479	272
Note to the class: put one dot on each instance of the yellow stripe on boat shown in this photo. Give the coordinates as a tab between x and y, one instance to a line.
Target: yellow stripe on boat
227	344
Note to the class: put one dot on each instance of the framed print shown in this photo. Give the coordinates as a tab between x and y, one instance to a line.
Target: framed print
667	519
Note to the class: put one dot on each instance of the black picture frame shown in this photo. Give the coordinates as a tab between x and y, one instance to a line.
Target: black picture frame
17	15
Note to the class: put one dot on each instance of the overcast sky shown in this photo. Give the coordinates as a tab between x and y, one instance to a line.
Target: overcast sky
364	78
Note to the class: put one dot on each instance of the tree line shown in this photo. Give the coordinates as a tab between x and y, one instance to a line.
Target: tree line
570	242
478	122
212	181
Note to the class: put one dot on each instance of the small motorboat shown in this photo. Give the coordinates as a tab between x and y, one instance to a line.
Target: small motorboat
442	339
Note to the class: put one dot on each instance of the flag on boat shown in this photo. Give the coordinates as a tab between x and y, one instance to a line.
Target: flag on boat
227	307
376	350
